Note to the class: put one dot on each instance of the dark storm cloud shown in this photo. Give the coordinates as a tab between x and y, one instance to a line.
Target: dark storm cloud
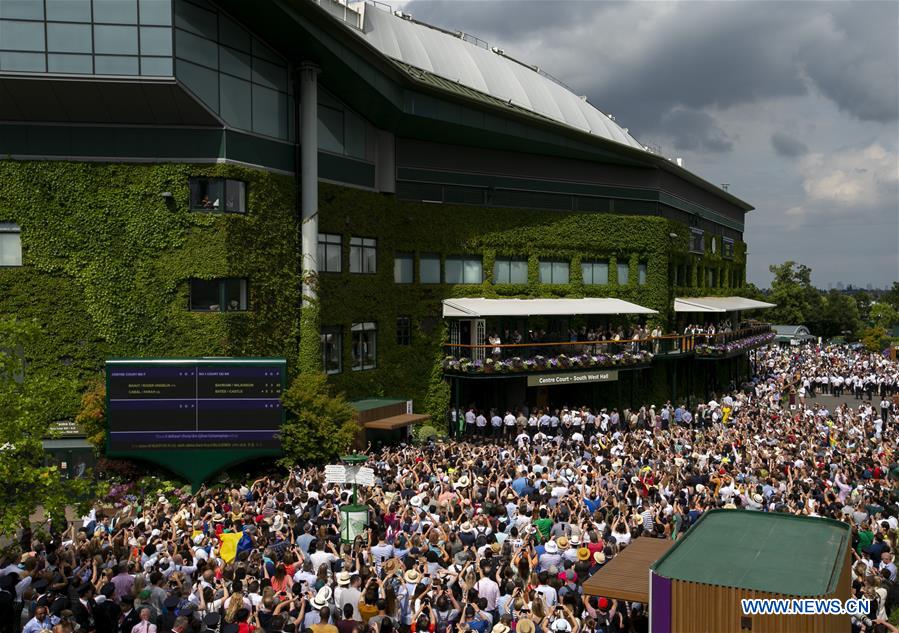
696	131
695	55
786	145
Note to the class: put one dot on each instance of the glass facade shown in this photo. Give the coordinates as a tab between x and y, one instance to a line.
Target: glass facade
87	37
429	268
510	271
624	270
403	268
595	273
231	71
464	270
554	272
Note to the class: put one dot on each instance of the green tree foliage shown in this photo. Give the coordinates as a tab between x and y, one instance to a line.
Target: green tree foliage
873	338
320	425
29	401
891	296
92	416
884	315
839	314
863	301
798	302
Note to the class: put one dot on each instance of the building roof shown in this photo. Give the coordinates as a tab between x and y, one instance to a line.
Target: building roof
762	551
374	403
791	330
718	304
457	59
479	307
626	577
395	422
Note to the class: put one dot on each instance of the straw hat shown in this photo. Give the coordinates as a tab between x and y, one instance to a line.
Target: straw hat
501	628
412	577
415	501
525	625
599	557
562	542
583	554
322	597
551	548
466	527
463	481
343	579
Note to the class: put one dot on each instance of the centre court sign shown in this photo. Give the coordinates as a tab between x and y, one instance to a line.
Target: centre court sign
572	378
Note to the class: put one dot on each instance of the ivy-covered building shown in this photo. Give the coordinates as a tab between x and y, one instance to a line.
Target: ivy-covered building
311	180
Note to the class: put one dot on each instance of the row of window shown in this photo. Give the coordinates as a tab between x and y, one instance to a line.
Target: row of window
697	244
364	342
466	269
708	277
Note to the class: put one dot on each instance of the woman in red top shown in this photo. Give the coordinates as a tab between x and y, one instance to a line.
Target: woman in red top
243	621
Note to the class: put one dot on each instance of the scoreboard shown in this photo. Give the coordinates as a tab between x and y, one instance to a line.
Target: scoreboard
194	403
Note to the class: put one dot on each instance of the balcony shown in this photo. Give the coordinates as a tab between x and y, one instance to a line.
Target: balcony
548	356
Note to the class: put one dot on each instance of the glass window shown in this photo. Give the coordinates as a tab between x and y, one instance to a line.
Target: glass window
363	255
115	65
156	66
24	9
236	100
697	241
234	35
10	244
203	82
235	63
155	40
68	38
641	273
464	269
115	40
196	49
554	272
727	248
156	12
218	295
332	350
330	129
69	10
429	268
623	273
710	278
116	11
403	268
403	330
507	270
329	252
269	75
354	135
364	346
21	36
196	20
269	112
595	273
62	63
207	194
30	62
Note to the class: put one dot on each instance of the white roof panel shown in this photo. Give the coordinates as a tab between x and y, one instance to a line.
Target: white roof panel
480	307
718	304
452	58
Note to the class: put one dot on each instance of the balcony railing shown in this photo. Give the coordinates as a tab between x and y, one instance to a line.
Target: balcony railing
571	355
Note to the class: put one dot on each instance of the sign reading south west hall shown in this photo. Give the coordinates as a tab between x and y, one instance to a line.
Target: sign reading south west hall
572	378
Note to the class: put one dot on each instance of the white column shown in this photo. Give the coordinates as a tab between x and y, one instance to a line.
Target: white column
309	180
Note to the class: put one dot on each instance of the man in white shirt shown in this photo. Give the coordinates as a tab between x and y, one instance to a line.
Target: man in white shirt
481	423
509	424
470	419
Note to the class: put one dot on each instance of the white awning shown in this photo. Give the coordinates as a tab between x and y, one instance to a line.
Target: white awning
718	304
479	307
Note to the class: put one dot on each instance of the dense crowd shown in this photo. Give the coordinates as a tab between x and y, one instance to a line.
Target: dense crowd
485	535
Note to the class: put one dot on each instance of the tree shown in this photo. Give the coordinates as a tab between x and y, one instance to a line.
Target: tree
839	314
92	416
884	315
319	426
891	296
29	401
798	302
863	301
872	338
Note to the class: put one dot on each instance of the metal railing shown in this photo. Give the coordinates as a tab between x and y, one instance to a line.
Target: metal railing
601	352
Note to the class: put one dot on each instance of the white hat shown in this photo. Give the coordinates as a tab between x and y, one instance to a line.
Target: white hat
322	597
757	498
561	625
466	527
551	548
700	488
415	501
343	579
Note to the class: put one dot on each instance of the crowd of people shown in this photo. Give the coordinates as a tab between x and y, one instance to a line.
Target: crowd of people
490	535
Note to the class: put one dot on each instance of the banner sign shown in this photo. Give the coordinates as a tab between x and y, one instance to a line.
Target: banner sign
572	378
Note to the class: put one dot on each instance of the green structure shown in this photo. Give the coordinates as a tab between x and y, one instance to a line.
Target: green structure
193	178
765	551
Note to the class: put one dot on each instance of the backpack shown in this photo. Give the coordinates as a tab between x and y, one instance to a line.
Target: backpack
603	624
444	624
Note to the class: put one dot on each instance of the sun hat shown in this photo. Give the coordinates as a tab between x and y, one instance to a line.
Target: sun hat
575	540
599	557
415	501
412	577
500	628
525	625
562	542
496	547
551	548
322	597
466	527
343	579
583	554
561	625
463	481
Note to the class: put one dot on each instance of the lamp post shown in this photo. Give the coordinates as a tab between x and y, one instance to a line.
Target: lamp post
354	516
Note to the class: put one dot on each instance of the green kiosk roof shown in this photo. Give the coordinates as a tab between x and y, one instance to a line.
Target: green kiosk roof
373	403
772	552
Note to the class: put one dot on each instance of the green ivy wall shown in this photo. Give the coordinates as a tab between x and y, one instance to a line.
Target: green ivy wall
107	261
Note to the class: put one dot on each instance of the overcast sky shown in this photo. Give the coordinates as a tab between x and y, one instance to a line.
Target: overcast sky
794	104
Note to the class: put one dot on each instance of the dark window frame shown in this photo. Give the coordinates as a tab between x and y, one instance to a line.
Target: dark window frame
327	245
362	248
403	256
362	329
727	248
193	182
222	292
404	330
694	235
338	333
